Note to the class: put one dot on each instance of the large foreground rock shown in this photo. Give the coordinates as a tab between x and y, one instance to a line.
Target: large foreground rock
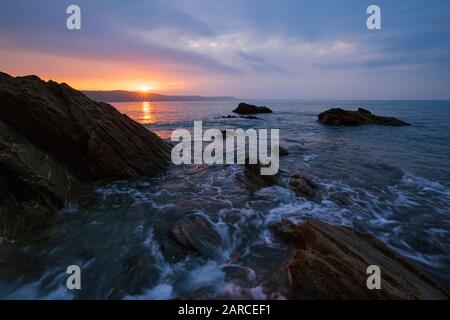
92	138
244	108
330	262
54	140
338	116
33	184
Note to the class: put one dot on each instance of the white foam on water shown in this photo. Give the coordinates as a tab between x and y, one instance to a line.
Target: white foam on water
382	211
425	184
243	223
161	291
309	157
277	194
155	250
257	293
71	208
36	290
207	275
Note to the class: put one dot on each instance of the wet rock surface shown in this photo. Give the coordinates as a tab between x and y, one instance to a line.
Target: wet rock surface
330	262
304	186
340	198
137	273
253	179
245	108
53	140
33	185
341	117
197	234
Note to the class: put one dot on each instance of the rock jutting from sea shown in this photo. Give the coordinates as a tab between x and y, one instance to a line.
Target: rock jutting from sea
245	108
331	262
54	141
341	117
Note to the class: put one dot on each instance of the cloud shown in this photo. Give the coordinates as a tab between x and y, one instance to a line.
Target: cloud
104	35
259	64
249	51
245	46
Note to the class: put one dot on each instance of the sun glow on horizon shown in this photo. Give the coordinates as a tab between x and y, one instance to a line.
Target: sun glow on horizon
144	89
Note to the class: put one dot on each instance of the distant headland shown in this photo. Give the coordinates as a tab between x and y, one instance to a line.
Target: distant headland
125	96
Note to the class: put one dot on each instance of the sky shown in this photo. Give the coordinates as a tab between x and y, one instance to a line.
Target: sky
280	49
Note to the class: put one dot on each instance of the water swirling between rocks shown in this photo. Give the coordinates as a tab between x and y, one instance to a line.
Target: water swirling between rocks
391	182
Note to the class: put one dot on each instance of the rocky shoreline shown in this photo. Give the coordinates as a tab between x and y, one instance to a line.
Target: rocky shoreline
330	262
55	142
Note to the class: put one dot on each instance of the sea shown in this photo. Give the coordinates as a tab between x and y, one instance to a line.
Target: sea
392	182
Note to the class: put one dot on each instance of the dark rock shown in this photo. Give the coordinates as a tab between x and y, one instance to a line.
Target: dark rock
197	234
253	179
340	198
244	108
330	262
364	111
286	230
163	224
53	140
92	138
243	276
229	117
304	186
33	184
139	271
338	116
283	151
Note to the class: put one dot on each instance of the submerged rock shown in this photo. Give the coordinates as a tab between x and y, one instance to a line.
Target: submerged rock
243	276
253	179
197	234
283	151
340	198
330	262
303	186
244	108
139	271
53	140
338	116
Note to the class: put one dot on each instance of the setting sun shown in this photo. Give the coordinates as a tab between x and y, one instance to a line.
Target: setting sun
144	88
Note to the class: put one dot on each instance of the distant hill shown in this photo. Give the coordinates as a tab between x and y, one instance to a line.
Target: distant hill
124	96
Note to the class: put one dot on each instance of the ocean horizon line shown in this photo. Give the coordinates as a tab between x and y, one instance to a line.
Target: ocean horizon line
292	100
